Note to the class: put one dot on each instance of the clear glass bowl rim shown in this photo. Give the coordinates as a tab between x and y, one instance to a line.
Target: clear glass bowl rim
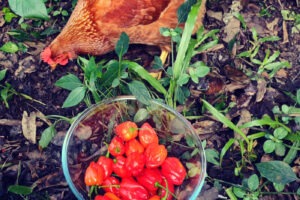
64	158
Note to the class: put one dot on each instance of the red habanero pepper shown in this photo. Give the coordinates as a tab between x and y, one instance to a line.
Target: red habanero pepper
127	130
147	135
166	194
116	147
119	167
111	184
131	190
155	155
149	177
135	163
173	170
133	146
94	174
107	164
100	197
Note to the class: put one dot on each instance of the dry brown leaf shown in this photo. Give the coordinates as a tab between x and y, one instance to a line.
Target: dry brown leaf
245	117
216	15
231	29
10	122
37	46
26	66
206	127
41	116
261	90
83	132
29	126
2	21
273	26
285	33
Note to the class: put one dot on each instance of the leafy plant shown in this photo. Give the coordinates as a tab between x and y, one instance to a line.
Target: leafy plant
29	8
274	142
268	64
292	16
8	15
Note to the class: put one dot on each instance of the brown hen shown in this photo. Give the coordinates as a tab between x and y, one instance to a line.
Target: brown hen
95	26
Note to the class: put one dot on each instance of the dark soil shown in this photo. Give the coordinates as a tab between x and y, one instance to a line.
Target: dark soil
24	163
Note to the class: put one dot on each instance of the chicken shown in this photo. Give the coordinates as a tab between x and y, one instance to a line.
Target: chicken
96	25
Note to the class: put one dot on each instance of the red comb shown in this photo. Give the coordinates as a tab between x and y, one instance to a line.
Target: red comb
46	55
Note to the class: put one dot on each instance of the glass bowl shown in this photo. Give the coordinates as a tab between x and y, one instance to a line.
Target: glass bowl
88	135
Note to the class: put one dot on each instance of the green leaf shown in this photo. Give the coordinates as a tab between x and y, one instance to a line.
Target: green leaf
69	82
226	147
122	45
144	74
278	187
297	96
140	91
269	39
239	192
212	156
269	146
253	182
20	189
10	47
29	8
184	9
184	79
241	19
2	74
254	34
280	149
75	97
280	133
141	115
224	120
115	83
47	136
277	172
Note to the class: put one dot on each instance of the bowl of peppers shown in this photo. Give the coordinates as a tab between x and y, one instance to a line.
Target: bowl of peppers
123	149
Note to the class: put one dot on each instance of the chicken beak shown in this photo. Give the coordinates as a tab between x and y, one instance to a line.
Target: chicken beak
53	66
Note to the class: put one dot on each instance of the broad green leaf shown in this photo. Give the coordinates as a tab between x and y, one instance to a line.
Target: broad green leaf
184	79
212	156
269	146
115	83
8	15
278	187
75	97
69	82
280	149
277	172
122	45
253	182
47	136
239	192
140	91
29	8
141	115
184	9
10	47
280	133
2	74
20	189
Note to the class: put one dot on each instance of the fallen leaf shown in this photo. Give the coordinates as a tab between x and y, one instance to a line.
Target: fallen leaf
231	29
216	15
2	21
35	47
261	89
245	116
26	66
273	26
29	126
83	132
10	122
285	33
